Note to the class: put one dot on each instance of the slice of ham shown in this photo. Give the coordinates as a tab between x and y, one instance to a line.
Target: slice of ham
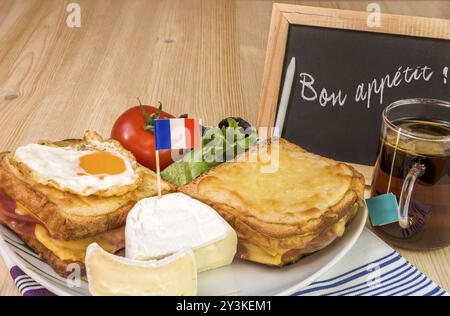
6	203
22	224
115	237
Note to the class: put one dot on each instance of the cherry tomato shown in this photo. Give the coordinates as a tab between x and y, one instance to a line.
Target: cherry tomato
129	130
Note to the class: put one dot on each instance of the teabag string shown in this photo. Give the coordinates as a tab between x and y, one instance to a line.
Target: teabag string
383	209
393	159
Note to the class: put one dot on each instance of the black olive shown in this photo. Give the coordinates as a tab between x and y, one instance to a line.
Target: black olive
245	126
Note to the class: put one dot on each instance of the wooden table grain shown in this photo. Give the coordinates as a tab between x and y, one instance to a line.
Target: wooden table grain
204	58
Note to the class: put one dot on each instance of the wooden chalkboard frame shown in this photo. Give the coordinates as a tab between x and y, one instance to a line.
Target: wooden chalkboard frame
284	15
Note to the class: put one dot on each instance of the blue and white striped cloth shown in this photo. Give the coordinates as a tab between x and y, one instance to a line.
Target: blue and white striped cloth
371	267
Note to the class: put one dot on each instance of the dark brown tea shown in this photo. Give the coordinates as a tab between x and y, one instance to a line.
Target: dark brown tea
429	210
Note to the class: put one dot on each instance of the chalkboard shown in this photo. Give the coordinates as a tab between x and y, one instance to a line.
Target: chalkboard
343	56
356	63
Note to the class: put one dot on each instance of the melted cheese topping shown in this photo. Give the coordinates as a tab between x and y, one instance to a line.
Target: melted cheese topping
261	254
301	182
74	250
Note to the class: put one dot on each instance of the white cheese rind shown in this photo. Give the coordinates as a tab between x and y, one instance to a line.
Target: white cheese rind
111	275
157	227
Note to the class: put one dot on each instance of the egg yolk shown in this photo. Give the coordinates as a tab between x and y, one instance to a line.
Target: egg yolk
102	162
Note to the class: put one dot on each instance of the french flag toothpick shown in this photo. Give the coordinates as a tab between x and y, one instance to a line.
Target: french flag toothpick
175	133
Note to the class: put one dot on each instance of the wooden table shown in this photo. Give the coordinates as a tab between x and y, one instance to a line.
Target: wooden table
204	58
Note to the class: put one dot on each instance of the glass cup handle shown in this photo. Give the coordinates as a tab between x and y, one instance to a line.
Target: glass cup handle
414	173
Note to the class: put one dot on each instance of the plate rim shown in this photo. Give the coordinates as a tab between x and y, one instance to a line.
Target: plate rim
335	260
361	217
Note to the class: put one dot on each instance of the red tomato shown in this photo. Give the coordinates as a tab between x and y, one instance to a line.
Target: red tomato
129	130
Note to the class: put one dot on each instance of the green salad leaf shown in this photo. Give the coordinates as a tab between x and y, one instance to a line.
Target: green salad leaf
219	144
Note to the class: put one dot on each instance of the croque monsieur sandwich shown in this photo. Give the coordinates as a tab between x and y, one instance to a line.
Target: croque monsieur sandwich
280	215
60	197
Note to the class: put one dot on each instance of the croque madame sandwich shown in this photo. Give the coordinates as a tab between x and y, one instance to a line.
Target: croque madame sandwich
60	197
285	211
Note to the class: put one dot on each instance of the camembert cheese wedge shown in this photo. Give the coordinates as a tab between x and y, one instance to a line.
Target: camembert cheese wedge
158	227
109	274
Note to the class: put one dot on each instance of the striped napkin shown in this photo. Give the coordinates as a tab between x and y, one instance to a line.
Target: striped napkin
26	285
371	268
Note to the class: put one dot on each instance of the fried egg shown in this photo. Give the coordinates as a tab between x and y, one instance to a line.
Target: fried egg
98	168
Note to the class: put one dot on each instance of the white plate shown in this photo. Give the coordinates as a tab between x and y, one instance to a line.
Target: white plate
240	278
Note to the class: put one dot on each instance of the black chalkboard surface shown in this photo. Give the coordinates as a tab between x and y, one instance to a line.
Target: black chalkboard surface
343	60
347	71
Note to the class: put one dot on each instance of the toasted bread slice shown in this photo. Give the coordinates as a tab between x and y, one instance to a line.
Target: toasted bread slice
68	216
280	198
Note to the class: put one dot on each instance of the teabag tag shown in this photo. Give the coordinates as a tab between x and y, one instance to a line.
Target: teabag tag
383	209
